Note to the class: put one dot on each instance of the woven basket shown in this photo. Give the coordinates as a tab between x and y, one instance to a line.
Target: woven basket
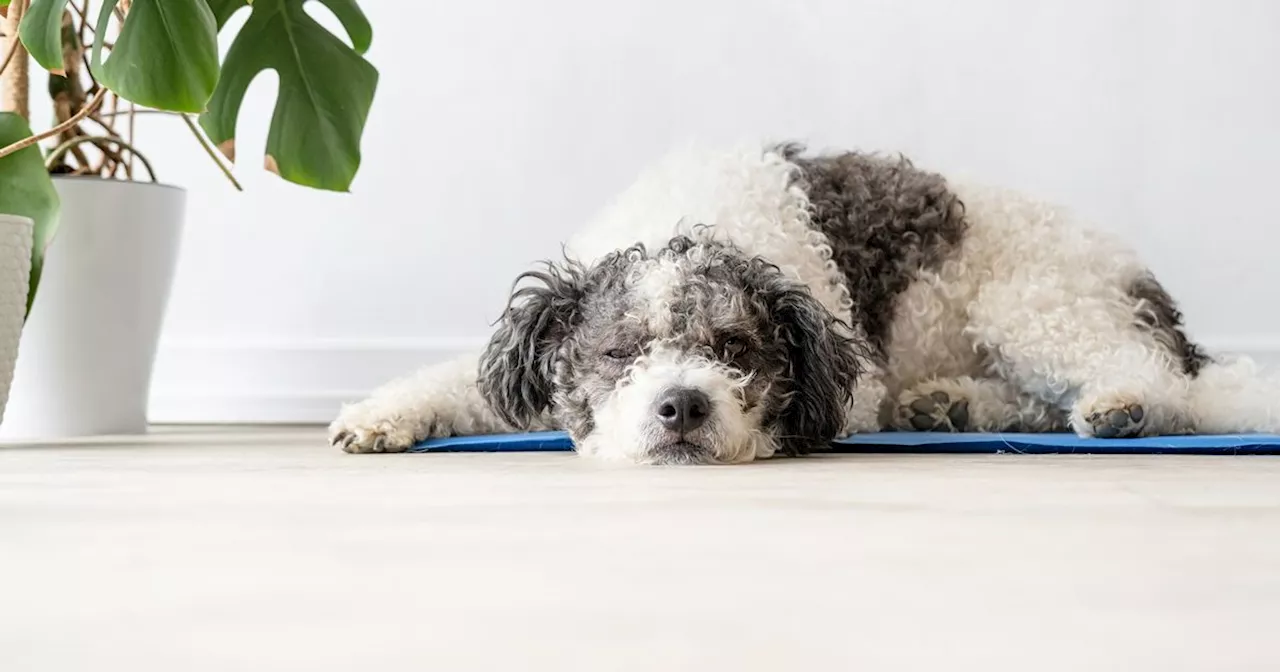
15	274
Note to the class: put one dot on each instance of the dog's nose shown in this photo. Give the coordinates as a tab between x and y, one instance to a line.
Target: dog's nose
683	409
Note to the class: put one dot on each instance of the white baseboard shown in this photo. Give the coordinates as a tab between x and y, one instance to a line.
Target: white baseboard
281	382
271	382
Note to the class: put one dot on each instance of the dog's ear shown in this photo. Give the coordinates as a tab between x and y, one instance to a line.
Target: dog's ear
517	368
822	365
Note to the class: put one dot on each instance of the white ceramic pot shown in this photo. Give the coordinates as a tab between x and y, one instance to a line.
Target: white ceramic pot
15	273
90	341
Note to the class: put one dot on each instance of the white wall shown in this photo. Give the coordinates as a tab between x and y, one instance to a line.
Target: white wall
501	124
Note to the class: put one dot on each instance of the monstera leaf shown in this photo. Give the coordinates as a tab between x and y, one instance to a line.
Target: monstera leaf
41	33
165	57
325	88
26	190
223	9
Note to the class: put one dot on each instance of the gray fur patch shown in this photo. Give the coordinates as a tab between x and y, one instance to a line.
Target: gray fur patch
1157	311
886	221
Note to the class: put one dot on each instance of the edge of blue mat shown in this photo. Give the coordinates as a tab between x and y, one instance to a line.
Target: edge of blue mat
925	442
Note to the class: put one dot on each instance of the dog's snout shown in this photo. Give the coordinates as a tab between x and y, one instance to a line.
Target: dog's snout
683	409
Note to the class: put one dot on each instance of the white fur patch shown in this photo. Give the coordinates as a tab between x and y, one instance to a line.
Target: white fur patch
657	286
626	425
743	195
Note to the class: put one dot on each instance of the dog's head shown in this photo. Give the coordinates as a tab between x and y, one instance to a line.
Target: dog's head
693	353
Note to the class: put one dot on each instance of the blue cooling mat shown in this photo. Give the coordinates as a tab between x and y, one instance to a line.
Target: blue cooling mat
927	442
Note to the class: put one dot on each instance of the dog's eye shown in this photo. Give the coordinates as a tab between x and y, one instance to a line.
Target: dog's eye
733	347
618	353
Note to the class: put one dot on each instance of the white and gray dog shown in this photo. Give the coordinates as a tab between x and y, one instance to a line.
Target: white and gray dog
732	305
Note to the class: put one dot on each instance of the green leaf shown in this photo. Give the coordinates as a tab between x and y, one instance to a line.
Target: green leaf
223	9
165	57
325	92
26	190
41	33
353	21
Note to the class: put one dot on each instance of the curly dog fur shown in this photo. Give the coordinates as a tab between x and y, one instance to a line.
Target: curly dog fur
731	305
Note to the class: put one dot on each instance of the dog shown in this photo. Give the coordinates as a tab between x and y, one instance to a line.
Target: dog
732	305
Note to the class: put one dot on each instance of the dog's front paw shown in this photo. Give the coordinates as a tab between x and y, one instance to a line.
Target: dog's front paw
367	428
935	412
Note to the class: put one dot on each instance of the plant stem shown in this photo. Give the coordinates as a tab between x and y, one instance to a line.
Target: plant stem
64	147
133	111
13	51
13	74
83	11
69	123
15	43
208	149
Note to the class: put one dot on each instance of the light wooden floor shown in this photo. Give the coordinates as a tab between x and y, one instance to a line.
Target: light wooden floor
265	550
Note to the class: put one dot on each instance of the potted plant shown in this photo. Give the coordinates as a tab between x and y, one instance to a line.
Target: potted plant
90	337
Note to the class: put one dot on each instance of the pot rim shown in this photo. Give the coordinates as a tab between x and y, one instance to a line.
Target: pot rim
94	178
10	218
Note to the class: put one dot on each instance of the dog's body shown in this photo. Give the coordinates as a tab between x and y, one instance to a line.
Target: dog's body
731	305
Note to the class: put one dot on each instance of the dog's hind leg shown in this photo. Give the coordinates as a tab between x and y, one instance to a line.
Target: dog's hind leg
439	400
1086	351
1071	315
967	404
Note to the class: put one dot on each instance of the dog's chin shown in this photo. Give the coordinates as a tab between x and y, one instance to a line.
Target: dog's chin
680	452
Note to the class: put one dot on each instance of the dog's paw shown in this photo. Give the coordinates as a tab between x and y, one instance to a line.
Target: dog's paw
934	412
1123	422
364	428
1112	415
